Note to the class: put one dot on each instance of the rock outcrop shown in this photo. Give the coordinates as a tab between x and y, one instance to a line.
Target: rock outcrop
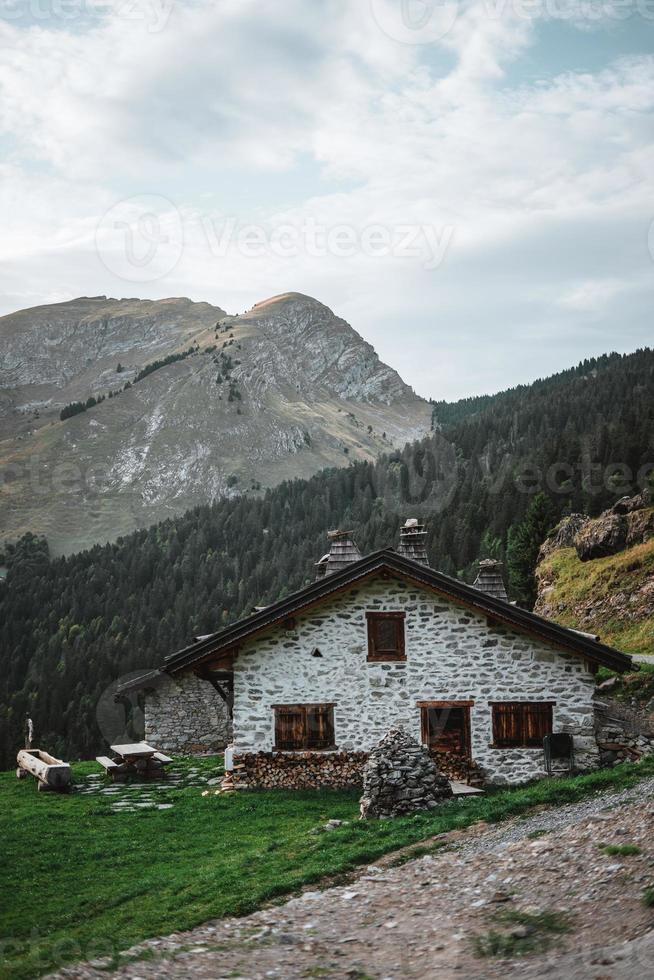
603	536
630	521
401	777
627	505
563	535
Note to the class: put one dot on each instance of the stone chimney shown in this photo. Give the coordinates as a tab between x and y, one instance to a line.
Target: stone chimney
489	579
343	551
412	541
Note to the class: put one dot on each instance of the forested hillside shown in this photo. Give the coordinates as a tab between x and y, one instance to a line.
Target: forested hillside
582	437
71	626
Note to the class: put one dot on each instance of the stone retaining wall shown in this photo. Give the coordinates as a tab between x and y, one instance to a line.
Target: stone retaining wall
622	732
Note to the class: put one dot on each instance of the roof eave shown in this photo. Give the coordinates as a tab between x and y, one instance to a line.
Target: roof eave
458	591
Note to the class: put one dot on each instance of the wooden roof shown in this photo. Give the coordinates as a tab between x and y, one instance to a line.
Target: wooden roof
226	642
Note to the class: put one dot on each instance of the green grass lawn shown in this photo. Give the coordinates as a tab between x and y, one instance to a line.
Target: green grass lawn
79	880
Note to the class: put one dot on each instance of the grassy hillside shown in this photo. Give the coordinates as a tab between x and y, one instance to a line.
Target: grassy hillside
87	879
613	596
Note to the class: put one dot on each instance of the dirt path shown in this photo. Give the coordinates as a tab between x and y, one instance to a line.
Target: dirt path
515	884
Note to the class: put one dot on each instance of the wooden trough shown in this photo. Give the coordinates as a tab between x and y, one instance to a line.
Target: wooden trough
50	773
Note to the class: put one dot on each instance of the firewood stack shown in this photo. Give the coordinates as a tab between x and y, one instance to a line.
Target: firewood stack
233	779
299	770
459	768
227	783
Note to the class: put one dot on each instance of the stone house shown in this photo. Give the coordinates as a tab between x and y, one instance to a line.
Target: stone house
307	686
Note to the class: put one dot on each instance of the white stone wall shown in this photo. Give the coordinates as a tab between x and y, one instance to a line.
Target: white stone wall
184	714
451	654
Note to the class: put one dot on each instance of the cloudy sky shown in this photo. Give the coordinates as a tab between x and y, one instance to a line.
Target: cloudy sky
469	184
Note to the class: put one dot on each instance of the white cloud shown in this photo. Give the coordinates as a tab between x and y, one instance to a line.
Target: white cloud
546	185
592	295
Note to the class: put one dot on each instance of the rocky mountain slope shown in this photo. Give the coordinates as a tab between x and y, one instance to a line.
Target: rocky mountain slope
598	575
245	402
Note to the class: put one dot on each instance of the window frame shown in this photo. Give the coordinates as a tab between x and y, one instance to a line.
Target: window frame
305	710
501	742
396	655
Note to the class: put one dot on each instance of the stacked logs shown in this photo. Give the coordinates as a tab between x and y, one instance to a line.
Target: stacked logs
298	770
459	768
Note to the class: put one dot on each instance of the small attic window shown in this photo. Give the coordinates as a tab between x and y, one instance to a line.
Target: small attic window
316	652
385	636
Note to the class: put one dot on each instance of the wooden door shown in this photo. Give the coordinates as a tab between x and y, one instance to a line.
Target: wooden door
446	728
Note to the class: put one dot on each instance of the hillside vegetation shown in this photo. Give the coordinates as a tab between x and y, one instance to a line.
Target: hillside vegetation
612	596
71	626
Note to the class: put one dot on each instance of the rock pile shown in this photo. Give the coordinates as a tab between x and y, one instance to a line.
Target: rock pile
401	777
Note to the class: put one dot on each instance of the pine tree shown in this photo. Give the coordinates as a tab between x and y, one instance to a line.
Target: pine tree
524	541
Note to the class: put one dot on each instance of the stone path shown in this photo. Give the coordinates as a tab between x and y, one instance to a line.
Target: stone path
426	918
130	797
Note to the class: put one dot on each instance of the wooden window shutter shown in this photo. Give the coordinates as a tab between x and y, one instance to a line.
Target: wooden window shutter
320	726
506	724
386	636
289	728
521	724
537	723
304	726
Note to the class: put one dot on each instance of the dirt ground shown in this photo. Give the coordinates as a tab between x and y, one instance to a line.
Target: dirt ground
540	897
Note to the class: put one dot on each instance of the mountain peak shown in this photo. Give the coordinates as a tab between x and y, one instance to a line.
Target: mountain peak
313	347
282	299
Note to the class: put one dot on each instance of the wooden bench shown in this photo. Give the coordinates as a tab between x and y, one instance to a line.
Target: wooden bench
107	764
